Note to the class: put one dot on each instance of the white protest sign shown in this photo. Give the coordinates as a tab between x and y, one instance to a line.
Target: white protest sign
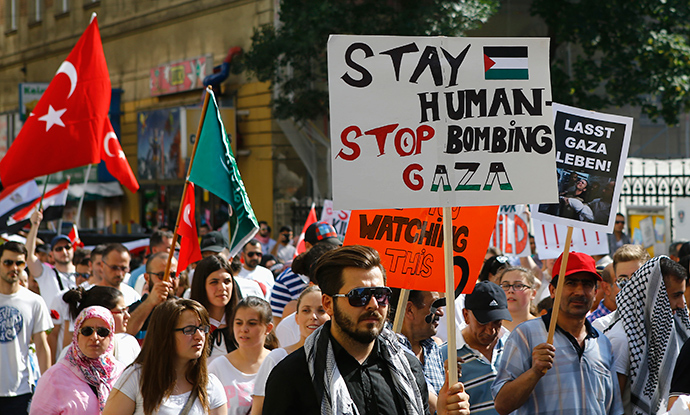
339	219
440	122
550	240
591	150
511	234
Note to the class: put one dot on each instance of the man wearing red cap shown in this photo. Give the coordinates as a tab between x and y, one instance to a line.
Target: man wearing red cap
572	376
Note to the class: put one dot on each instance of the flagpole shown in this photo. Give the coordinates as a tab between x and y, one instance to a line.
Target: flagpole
81	201
180	211
45	186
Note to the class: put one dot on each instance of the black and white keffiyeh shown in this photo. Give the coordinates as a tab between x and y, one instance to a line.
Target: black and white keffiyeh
330	386
651	328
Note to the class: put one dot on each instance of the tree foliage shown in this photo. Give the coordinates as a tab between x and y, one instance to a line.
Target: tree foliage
623	52
293	56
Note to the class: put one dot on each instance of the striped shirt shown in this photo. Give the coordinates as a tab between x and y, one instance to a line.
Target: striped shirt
581	380
478	373
287	287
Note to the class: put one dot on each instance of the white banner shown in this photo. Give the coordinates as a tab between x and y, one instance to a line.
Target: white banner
550	240
511	234
436	121
339	219
591	149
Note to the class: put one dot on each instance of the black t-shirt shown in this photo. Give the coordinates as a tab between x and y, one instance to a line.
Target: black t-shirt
680	382
289	388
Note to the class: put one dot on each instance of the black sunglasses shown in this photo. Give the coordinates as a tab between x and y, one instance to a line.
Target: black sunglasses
160	275
9	263
359	297
191	330
438	303
102	332
253	254
61	247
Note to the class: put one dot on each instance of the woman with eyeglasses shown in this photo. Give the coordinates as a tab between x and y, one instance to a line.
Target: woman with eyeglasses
520	286
252	325
214	286
170	376
125	346
310	316
81	382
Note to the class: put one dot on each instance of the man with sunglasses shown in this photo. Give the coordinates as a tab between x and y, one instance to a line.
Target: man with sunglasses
24	318
574	375
160	290
50	280
352	364
114	267
251	270
618	238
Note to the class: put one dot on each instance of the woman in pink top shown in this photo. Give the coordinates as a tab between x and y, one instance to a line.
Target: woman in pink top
81	382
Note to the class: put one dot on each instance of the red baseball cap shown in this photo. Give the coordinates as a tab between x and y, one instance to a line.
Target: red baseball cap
577	262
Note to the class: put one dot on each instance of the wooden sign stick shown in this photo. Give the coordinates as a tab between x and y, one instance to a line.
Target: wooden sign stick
450	294
400	311
559	286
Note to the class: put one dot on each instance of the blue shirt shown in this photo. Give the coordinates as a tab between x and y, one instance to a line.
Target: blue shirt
601	311
478	373
581	380
434	373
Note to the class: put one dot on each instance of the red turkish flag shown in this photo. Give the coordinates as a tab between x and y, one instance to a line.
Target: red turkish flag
64	130
115	159
190	251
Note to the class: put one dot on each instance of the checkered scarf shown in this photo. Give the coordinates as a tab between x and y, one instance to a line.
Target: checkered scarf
330	387
651	328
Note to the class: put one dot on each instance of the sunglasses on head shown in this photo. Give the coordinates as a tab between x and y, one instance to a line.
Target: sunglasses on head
102	332
9	263
359	297
61	247
253	254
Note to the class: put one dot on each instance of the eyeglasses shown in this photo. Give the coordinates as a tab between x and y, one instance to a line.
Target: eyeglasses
574	282
102	332
122	310
84	275
191	330
61	247
517	286
160	275
122	268
622	222
359	297
9	263
253	254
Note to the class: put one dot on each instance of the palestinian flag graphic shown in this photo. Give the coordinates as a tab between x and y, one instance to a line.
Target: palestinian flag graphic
505	63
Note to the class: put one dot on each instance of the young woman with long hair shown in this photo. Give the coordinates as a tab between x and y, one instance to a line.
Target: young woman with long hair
252	326
214	286
170	376
520	286
310	315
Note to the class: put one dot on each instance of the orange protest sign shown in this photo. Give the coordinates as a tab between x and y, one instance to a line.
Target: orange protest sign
410	242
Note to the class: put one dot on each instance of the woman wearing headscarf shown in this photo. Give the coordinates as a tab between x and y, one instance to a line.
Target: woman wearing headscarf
81	382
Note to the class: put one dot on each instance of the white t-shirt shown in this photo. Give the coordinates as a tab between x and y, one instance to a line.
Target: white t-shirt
48	283
261	275
285	253
238	386
288	331
22	314
250	287
128	383
273	358
130	294
442	329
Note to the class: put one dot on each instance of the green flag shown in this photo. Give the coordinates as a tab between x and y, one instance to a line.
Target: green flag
214	168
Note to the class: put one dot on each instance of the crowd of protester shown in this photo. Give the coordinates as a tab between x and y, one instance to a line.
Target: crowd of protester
261	332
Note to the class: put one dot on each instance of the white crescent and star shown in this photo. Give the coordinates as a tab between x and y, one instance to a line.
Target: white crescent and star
185	215
111	136
53	117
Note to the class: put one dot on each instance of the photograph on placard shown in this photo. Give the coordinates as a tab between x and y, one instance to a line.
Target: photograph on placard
591	150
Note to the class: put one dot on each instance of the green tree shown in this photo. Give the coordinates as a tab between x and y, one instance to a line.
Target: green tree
624	52
293	55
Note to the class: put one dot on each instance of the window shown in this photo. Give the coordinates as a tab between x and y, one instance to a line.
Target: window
35	11
11	23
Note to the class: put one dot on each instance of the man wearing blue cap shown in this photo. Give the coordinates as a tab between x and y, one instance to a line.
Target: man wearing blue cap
50	280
